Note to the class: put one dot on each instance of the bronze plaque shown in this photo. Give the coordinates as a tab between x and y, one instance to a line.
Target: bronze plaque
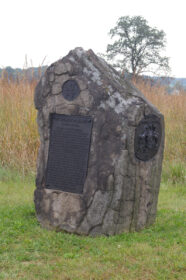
68	152
147	137
70	90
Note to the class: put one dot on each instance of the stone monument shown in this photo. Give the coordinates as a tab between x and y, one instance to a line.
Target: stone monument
100	157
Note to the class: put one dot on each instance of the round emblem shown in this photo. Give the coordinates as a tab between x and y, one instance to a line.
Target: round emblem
147	137
70	90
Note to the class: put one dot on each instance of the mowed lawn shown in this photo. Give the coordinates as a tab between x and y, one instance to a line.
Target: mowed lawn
28	251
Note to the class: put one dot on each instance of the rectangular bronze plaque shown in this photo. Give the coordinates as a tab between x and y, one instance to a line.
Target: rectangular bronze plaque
68	152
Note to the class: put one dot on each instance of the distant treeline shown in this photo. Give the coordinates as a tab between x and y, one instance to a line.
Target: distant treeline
18	73
31	73
171	83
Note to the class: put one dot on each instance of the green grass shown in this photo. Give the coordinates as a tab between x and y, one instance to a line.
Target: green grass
28	251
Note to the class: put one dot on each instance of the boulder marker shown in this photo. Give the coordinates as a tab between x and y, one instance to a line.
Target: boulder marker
100	157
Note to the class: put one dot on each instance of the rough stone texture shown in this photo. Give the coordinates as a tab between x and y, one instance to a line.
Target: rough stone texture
120	192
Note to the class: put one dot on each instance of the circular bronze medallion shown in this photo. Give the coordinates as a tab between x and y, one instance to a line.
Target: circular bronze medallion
147	137
70	90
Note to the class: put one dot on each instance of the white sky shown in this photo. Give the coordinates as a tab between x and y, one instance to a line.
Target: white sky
39	28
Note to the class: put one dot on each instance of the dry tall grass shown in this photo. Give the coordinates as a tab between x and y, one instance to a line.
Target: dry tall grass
173	108
18	130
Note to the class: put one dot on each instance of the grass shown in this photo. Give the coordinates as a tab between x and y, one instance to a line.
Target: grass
19	138
173	107
28	251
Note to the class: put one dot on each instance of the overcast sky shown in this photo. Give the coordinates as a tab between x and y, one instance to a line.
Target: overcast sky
42	28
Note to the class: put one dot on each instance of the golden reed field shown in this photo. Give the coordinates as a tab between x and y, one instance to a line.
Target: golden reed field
19	139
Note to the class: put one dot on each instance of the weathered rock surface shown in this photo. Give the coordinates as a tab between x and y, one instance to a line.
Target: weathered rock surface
120	191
